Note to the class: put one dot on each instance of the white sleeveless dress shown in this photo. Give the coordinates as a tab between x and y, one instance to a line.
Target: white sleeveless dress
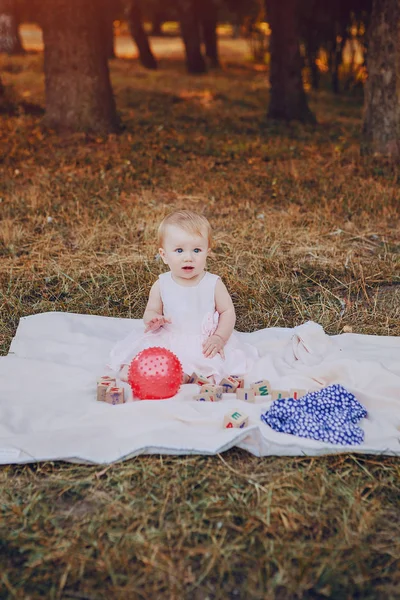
193	319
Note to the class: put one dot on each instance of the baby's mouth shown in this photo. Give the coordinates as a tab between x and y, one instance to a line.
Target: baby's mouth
188	268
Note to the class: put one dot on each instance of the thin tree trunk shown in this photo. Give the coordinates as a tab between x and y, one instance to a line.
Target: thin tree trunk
156	24
190	31
381	127
312	50
337	59
352	65
7	106
209	22
78	90
134	16
288	99
10	39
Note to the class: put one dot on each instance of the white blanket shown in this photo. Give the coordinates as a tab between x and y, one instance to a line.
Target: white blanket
49	411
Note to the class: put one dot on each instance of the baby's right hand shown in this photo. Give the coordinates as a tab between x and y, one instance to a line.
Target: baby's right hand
156	322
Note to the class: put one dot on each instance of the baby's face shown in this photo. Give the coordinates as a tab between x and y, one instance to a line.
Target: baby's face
185	254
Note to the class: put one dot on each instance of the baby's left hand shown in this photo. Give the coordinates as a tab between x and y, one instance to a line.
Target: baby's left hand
213	345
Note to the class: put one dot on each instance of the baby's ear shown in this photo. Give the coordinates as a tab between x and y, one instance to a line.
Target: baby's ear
161	252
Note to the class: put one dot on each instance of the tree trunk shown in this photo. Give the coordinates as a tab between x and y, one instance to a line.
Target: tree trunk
107	23
190	30
337	59
134	16
381	127
288	99
109	39
78	89
156	24
312	50
7	106
10	39
209	21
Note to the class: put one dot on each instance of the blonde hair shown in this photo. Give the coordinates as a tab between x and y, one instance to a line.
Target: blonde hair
189	221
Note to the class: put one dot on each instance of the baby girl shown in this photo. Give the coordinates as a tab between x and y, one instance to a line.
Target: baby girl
189	310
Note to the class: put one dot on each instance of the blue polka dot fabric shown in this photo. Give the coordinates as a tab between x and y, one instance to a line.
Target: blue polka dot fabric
328	415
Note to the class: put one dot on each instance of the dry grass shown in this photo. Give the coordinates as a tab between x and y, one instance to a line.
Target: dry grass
304	229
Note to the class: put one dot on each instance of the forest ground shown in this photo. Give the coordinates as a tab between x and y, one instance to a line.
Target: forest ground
304	229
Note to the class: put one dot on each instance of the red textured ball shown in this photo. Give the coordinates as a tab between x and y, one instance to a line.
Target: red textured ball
155	373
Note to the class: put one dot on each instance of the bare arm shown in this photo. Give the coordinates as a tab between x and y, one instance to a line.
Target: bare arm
227	319
153	315
227	315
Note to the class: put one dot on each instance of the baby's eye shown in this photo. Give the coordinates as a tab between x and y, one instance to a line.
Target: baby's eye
197	250
179	250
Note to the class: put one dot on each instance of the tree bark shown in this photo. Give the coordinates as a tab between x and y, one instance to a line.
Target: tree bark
107	22
288	99
312	56
78	90
336	58
134	16
209	21
156	24
10	39
381	127
190	31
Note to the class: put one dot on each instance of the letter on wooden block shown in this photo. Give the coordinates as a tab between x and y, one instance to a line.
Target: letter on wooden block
262	388
199	379
240	380
280	394
208	387
235	420
101	390
107	379
229	385
246	394
115	395
296	393
216	390
205	397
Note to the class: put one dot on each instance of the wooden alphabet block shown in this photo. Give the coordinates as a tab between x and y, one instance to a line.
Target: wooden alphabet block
217	390
245	394
101	390
192	378
229	385
235	420
205	397
279	394
296	393
262	388
240	380
199	379
115	395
